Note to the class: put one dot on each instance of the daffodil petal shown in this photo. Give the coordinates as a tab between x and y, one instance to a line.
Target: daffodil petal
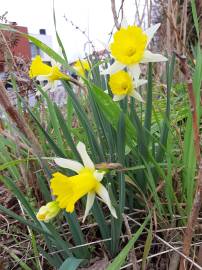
136	95
151	31
153	57
135	71
116	66
118	97
140	83
42	78
104	195
53	86
99	175
89	204
69	164
84	155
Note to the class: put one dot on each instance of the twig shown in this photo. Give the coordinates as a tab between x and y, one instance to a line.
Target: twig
176	249
83	32
76	82
116	22
170	19
132	254
192	219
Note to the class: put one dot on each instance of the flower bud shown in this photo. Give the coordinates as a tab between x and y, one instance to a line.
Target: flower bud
48	211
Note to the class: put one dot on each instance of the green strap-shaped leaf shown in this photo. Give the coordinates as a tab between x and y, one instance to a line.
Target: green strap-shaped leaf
71	263
120	259
95	147
112	111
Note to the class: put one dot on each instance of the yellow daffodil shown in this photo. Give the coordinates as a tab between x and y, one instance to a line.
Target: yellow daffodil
48	211
44	72
81	66
122	84
68	190
129	49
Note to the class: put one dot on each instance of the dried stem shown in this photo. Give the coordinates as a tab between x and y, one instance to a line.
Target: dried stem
113	7
170	20
192	101
132	255
77	83
192	220
18	120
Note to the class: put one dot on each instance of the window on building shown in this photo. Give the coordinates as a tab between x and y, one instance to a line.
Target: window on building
47	63
35	50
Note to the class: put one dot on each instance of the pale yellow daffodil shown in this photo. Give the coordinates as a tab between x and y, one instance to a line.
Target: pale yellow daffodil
122	84
81	66
129	49
44	72
68	190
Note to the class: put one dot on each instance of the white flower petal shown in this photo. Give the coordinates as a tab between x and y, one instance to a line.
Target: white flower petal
135	71
69	164
42	78
103	193
89	204
99	175
136	95
116	66
151	31
153	57
53	86
106	91
118	97
140	82
84	155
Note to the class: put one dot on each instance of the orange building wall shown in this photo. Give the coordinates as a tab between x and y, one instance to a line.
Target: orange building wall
22	48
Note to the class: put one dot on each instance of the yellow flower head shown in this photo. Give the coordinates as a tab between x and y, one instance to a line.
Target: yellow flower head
38	68
129	49
68	190
81	66
121	83
48	211
129	45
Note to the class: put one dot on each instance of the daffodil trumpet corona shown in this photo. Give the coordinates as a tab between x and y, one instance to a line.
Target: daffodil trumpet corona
122	84
81	66
44	72
87	181
129	49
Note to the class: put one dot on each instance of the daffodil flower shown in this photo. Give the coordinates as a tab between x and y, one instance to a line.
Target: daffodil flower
129	49
122	84
44	72
68	190
48	211
81	66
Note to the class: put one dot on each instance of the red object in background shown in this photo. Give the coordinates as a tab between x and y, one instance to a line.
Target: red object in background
21	48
